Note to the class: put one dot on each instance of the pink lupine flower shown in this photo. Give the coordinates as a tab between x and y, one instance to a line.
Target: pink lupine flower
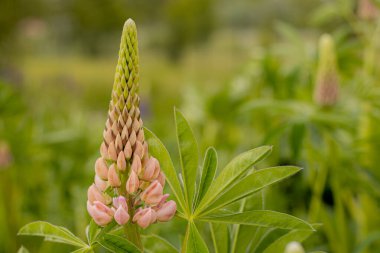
113	178
121	215
153	194
132	183
145	217
120	201
166	211
93	194
124	153
101	213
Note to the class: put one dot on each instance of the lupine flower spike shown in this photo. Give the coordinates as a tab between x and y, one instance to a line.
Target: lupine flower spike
128	184
327	83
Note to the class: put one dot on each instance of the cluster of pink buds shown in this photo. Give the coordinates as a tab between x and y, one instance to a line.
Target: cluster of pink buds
128	184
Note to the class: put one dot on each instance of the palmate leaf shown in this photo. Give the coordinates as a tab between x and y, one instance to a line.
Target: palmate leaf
237	167
118	244
158	150
157	244
188	152
194	242
210	165
52	233
251	184
261	218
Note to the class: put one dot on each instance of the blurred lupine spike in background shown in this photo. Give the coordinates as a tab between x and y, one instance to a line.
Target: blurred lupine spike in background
327	82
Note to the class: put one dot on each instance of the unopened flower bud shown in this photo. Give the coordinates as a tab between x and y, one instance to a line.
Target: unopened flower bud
140	136
121	163
100	183
132	138
128	150
153	194
139	149
145	217
152	169
132	183
101	213
294	247
166	211
107	135
93	194
101	168
112	154
118	143
136	165
103	150
113	177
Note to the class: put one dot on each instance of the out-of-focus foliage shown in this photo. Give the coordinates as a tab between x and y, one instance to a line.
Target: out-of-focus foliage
250	82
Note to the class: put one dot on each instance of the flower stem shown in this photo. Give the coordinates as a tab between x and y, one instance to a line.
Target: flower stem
132	234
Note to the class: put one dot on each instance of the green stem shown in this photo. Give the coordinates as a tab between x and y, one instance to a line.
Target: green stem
132	234
184	244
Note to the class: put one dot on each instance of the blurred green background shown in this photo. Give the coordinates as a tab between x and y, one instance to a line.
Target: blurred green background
243	72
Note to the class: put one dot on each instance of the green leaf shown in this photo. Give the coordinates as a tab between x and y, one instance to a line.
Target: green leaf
251	184
118	244
157	244
264	238
158	150
188	152
92	231
210	165
293	236
194	242
51	233
219	234
261	218
22	249
237	167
